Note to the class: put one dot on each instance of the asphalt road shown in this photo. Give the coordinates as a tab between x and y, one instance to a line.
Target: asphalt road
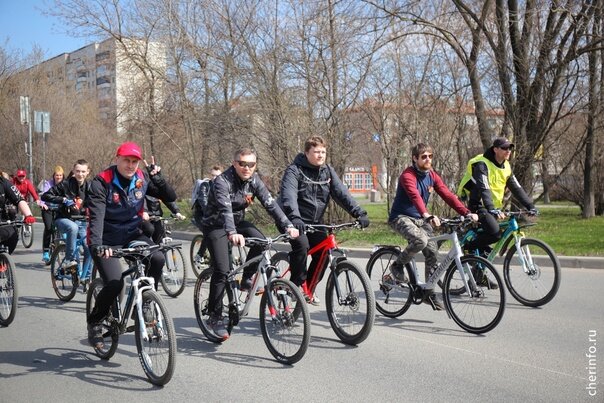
536	355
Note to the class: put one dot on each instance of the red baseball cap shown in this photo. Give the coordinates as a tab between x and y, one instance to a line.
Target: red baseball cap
129	149
21	172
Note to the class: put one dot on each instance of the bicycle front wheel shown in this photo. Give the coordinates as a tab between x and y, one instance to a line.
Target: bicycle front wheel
199	263
392	297
8	290
64	281
156	344
110	333
285	321
533	276
482	309
27	235
174	274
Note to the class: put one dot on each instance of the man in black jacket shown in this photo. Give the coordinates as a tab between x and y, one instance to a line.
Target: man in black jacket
306	188
224	221
71	195
10	196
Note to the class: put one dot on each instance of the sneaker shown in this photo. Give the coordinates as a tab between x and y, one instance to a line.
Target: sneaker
483	280
434	301
198	259
95	335
246	284
310	298
218	328
46	257
398	272
69	264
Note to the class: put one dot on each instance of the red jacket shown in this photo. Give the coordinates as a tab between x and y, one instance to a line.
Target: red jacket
26	187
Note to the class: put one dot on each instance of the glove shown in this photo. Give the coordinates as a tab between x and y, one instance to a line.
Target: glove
299	224
68	202
495	212
30	219
363	220
533	211
98	250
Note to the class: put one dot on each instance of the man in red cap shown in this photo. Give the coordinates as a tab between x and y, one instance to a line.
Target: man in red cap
27	188
115	208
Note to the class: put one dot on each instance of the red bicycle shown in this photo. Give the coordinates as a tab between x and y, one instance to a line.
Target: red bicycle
349	299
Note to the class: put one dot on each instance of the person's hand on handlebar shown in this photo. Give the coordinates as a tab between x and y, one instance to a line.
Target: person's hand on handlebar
237	239
103	251
432	219
293	232
497	213
472	216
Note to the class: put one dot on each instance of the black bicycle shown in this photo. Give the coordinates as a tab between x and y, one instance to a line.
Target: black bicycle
8	282
174	273
153	327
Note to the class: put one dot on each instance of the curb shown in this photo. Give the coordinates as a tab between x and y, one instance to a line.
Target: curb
566	262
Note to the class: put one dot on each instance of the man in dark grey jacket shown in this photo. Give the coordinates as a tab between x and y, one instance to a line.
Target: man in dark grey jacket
306	188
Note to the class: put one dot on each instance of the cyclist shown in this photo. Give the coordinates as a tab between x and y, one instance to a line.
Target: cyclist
155	230
224	220
306	188
199	199
483	187
10	195
57	177
409	215
71	194
27	188
115	208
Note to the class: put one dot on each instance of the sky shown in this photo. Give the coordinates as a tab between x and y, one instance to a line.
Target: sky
23	24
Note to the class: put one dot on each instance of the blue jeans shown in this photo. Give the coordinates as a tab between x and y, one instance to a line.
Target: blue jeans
73	231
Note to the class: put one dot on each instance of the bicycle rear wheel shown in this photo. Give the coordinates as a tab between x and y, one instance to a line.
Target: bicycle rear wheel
198	264
27	235
481	310
280	265
392	297
8	290
200	304
64	282
110	332
533	279
174	274
286	334
156	346
352	312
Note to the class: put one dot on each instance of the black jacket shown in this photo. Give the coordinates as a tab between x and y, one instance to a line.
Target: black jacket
10	197
70	189
153	206
230	196
306	190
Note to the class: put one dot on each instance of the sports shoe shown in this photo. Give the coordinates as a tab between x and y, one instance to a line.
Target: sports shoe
434	301
398	272
218	328
198	259
46	257
95	335
483	280
68	264
246	284
310	298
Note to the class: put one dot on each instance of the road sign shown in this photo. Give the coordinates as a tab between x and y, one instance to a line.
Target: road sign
24	108
42	122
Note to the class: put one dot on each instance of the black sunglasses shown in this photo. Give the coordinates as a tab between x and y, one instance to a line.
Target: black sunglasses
506	148
244	164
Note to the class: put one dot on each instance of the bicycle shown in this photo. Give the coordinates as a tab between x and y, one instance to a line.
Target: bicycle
174	273
153	327
199	263
284	316
468	300
8	283
26	233
350	302
533	284
65	282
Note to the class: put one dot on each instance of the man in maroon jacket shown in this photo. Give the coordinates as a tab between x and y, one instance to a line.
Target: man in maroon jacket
410	217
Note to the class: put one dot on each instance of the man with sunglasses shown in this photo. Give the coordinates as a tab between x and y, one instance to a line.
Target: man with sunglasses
410	217
224	221
483	187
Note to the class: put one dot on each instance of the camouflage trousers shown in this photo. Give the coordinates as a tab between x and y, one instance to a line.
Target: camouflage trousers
416	231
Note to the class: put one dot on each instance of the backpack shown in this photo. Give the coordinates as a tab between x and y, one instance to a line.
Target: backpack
199	196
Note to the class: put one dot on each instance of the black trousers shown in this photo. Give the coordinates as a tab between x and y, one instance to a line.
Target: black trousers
298	256
218	244
490	231
9	237
47	217
110	271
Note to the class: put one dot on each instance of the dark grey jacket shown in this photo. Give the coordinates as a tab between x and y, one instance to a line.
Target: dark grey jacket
306	190
230	196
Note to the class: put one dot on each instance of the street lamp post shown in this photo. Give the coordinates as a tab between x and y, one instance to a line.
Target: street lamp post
42	123
25	113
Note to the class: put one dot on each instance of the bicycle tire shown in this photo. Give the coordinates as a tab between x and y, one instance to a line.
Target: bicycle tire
157	354
27	235
351	315
481	311
198	267
174	273
279	266
110	334
200	304
9	295
285	334
64	284
540	285
392	298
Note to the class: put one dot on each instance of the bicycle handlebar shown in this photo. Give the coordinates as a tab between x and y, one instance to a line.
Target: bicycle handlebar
16	223
134	250
310	228
251	241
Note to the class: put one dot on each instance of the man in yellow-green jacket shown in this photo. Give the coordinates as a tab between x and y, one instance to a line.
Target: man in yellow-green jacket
483	187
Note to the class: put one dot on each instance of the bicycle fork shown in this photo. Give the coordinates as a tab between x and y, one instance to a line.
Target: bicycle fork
139	303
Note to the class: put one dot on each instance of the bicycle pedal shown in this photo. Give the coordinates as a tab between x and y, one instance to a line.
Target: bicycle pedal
130	328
